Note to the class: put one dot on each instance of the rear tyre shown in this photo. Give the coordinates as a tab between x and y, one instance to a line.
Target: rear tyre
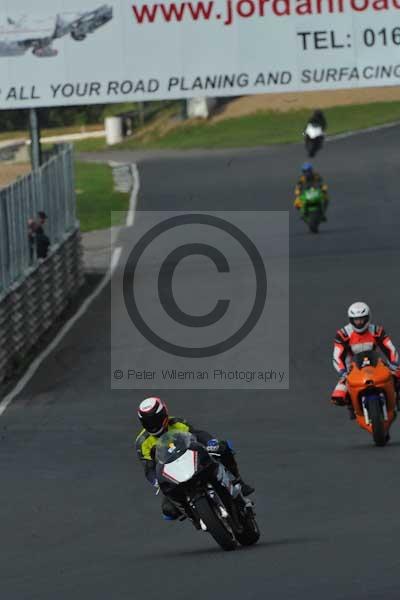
251	533
215	525
377	422
314	221
310	147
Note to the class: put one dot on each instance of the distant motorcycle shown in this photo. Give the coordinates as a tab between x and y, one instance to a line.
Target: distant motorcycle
204	491
314	138
372	393
312	207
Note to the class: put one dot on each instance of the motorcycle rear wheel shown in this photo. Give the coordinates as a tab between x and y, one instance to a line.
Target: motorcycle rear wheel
215	526
251	533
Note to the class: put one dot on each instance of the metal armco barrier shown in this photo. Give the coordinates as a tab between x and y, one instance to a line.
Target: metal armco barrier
34	305
34	293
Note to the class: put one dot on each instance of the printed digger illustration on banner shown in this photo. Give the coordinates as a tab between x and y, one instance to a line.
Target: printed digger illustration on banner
20	34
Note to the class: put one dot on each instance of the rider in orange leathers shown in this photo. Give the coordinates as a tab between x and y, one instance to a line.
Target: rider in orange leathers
359	335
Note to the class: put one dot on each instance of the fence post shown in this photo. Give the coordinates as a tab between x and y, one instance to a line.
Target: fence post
36	153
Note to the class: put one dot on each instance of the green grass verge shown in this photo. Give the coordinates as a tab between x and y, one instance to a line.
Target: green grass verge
260	129
91	145
96	198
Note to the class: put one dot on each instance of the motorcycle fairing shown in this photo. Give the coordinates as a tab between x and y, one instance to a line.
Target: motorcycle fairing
313	131
370	380
182	469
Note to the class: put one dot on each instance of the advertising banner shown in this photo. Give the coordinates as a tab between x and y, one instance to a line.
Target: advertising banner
55	52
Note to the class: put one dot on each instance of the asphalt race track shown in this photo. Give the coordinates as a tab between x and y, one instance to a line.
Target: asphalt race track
78	519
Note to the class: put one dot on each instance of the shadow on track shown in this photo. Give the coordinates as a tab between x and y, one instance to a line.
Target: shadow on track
216	550
327	231
364	447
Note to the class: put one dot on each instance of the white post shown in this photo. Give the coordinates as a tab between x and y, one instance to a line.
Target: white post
113	128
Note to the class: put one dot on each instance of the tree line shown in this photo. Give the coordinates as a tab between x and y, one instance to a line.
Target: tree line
17	120
14	120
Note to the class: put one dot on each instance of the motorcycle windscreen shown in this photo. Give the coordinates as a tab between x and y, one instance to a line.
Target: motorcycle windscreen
182	469
313	194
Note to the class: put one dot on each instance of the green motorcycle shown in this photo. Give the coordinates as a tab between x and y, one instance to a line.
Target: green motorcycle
313	208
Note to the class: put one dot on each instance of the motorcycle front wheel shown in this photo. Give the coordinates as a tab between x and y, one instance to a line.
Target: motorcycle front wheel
314	220
311	147
215	524
378	426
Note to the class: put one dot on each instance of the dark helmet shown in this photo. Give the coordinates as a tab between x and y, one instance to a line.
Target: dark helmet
153	414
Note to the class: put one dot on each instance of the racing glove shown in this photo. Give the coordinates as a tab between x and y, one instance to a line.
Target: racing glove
297	203
213	447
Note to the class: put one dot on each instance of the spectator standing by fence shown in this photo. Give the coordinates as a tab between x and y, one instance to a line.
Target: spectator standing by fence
37	236
42	240
18	227
31	239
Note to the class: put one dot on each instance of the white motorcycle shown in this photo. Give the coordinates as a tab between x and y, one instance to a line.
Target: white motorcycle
314	138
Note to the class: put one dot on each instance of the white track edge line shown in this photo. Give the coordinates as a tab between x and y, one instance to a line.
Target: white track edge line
130	218
346	134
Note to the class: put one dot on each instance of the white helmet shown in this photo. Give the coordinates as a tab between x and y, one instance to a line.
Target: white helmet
359	310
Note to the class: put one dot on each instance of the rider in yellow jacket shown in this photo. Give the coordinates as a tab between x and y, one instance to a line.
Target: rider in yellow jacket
153	414
309	178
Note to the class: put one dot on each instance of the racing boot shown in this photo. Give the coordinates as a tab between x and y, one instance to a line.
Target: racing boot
170	511
340	401
352	414
229	461
246	488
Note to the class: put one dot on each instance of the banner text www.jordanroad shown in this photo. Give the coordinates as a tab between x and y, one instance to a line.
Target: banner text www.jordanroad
175	12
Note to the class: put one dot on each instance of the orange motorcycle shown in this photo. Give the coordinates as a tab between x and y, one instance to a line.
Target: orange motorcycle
372	393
